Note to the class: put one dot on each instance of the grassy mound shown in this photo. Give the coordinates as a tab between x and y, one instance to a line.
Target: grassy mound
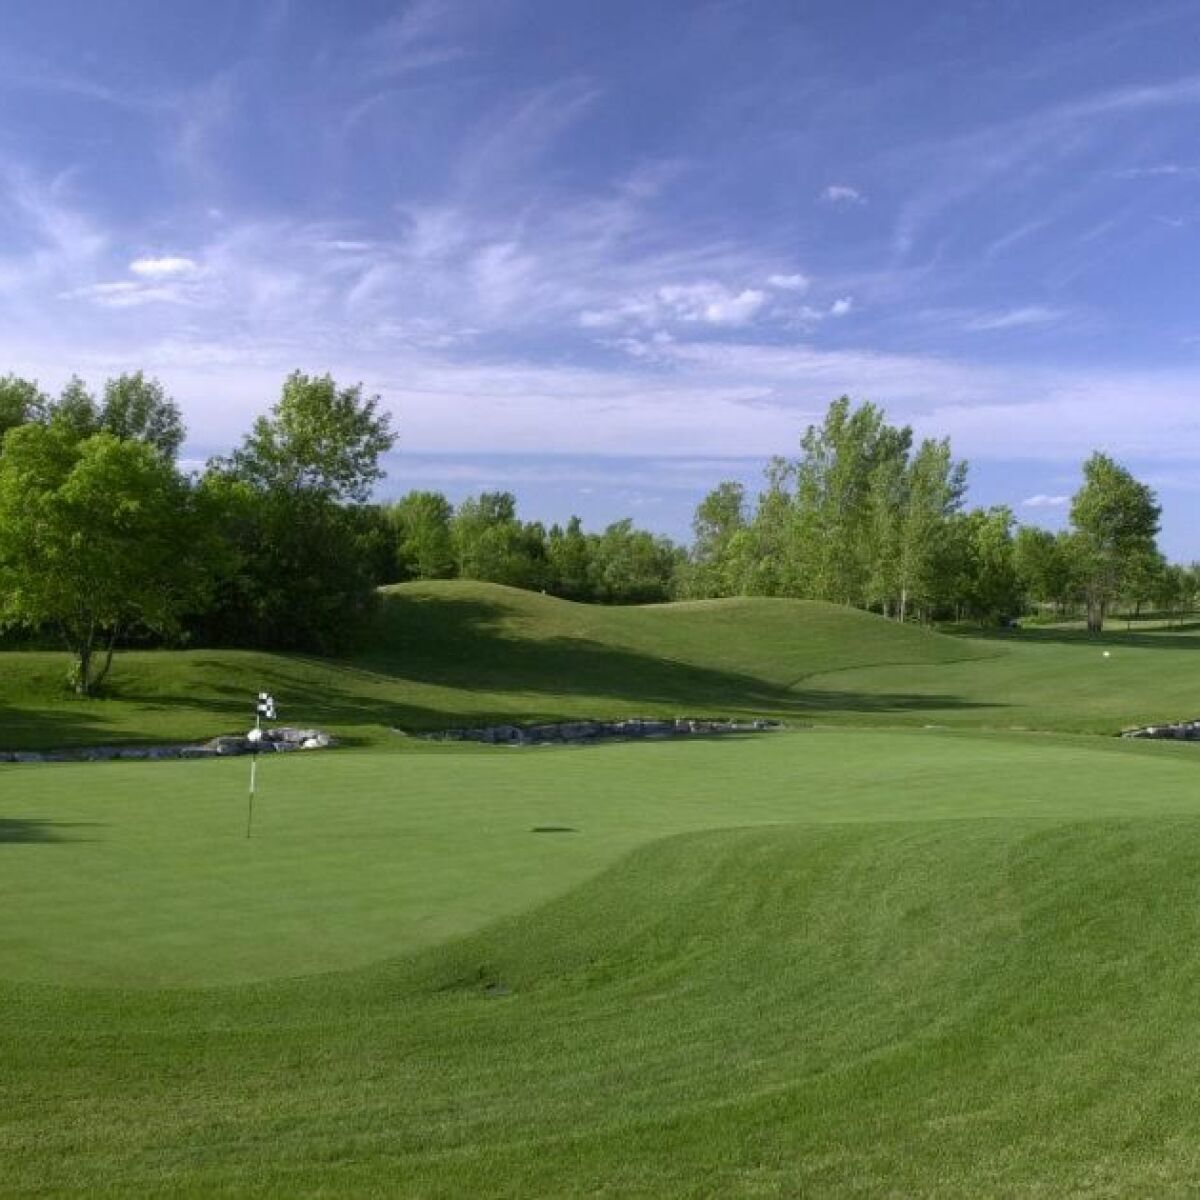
446	654
451	653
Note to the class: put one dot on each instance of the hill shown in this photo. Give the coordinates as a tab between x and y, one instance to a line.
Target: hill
443	654
455	653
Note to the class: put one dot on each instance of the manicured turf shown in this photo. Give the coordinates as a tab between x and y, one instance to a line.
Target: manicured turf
358	857
844	961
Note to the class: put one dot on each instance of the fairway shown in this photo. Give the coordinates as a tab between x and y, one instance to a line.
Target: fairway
901	947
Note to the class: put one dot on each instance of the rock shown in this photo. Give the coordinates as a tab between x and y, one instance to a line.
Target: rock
576	732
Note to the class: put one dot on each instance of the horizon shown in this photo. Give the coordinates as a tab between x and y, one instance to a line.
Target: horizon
606	264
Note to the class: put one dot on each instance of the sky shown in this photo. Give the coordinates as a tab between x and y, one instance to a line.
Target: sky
605	255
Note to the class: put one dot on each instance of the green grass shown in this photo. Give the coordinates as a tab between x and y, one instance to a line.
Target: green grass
832	961
909	964
457	653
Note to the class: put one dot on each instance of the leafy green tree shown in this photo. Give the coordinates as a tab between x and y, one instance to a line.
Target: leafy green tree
887	502
424	549
990	587
75	412
138	409
1174	590
763	558
98	537
631	566
133	409
21	401
832	511
934	491
1143	580
320	440
569	559
291	501
1115	519
491	544
719	518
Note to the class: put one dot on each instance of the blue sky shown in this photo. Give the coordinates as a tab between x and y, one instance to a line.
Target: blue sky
607	254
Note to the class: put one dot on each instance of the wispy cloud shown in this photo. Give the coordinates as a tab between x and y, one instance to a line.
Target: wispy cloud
1014	318
957	170
842	193
789	283
1043	501
167	265
1160	171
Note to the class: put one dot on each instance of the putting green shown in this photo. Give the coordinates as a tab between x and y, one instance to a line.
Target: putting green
141	874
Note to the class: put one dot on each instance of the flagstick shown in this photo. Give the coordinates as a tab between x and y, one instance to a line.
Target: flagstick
253	776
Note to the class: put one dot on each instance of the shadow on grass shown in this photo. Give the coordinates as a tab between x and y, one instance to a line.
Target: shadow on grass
25	727
467	647
464	644
1185	637
26	830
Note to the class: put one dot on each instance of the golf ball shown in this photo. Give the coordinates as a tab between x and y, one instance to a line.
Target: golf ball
1106	654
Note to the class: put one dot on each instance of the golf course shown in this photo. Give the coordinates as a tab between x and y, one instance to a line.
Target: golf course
935	937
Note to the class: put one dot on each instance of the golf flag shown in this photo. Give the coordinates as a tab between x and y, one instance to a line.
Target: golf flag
266	706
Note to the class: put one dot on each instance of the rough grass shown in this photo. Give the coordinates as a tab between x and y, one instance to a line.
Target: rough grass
454	653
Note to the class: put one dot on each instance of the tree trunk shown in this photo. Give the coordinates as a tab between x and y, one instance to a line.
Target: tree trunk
83	668
108	657
903	604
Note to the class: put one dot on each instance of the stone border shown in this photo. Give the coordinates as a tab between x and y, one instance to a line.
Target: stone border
1182	731
274	741
585	732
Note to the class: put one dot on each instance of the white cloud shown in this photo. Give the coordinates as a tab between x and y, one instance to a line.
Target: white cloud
124	293
712	304
789	283
841	307
1160	170
841	193
707	303
158	268
1014	318
1043	501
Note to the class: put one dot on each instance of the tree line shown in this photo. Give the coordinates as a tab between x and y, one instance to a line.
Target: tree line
104	539
867	517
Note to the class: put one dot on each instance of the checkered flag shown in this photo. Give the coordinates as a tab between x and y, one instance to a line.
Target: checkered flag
266	706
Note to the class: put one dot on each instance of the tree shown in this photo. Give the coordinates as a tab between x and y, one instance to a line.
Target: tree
138	409
719	518
421	521
631	566
990	586
762	556
491	544
98	537
830	530
1041	566
933	493
75	412
289	497
21	401
1115	520
319	440
569	559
